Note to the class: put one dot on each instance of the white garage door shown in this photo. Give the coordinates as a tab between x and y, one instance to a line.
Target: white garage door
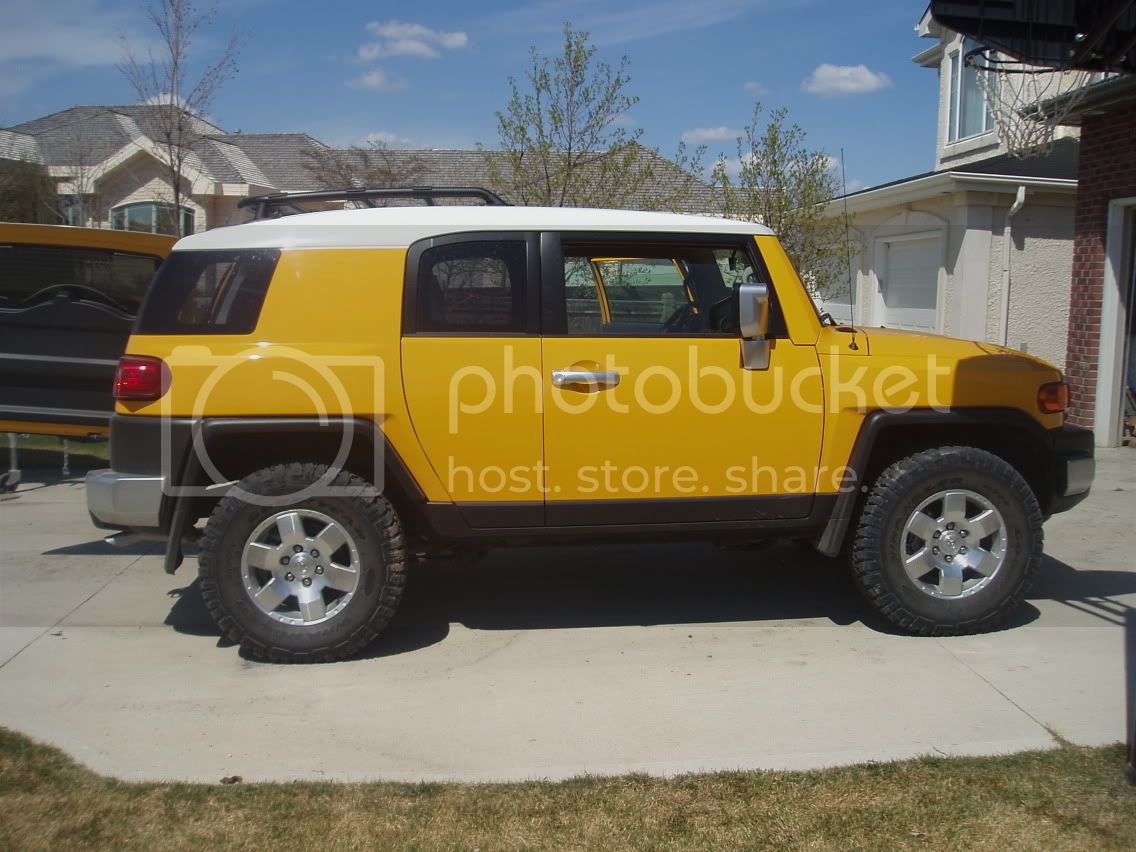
909	288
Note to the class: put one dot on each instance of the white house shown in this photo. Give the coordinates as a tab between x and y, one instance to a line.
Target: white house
980	247
109	167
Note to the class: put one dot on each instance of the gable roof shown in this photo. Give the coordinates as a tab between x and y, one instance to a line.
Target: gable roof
281	158
91	134
88	135
466	167
18	146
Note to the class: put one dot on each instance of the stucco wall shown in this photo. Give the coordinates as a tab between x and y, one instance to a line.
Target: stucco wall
1041	258
970	227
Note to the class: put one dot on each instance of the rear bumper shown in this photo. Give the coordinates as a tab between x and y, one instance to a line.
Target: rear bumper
1073	467
125	500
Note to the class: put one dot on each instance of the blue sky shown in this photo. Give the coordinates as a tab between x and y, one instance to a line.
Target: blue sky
432	74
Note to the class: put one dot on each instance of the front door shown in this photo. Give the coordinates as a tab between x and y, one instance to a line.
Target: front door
650	416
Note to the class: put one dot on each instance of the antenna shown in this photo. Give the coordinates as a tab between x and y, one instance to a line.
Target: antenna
848	251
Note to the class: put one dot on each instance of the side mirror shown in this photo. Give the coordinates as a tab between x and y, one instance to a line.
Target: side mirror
753	311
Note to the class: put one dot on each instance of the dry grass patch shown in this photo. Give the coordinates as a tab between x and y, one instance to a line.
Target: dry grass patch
1069	798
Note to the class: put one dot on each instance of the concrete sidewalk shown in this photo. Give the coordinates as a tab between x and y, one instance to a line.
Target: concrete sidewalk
556	662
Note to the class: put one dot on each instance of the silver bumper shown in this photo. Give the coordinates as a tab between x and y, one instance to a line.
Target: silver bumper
1079	475
127	500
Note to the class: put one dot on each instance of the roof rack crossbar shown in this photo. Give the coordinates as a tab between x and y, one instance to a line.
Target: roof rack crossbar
263	205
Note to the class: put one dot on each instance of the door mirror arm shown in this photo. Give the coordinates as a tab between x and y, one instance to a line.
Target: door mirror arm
753	319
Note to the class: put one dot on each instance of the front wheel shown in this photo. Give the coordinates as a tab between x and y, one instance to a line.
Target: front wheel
309	579
949	542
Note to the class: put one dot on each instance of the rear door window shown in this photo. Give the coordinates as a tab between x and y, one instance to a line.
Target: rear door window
208	292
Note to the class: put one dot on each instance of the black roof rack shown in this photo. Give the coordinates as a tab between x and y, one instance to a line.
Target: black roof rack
264	205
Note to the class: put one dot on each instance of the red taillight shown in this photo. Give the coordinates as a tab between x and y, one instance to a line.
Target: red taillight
1053	398
139	377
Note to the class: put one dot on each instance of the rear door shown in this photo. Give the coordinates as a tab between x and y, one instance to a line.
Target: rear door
471	368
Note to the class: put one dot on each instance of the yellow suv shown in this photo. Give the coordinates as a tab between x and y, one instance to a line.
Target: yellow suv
68	298
338	391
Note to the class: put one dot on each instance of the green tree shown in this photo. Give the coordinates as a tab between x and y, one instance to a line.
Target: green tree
27	193
563	138
784	185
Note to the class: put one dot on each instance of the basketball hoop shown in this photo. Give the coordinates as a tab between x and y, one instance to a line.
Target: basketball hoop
1014	92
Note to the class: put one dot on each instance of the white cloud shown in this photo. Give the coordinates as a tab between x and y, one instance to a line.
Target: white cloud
377	81
387	138
623	120
754	88
853	185
833	81
70	33
710	134
401	38
733	165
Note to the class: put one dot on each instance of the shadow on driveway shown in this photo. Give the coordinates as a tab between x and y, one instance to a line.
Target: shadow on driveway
614	586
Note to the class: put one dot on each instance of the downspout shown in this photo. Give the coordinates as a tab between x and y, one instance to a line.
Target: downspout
1007	238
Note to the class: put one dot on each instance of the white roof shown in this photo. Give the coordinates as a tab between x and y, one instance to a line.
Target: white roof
398	227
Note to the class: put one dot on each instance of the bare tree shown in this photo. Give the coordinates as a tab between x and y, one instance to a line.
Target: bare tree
784	185
82	199
563	141
373	165
164	81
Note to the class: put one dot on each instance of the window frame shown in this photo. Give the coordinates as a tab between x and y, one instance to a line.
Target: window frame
154	206
956	84
531	293
554	297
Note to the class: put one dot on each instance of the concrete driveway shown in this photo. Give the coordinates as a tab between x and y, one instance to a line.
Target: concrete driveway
552	663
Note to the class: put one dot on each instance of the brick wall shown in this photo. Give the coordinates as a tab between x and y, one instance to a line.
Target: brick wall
1107	171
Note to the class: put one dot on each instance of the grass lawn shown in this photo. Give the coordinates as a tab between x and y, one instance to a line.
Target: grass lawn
1068	798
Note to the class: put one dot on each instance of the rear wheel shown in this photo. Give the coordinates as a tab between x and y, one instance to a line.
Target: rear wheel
949	542
305	580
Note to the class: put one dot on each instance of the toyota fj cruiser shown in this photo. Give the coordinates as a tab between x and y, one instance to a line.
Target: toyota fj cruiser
341	391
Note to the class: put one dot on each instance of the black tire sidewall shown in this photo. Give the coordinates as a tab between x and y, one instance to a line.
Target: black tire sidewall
1023	540
235	520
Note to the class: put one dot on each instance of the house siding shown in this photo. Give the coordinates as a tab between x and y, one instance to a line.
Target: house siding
144	179
971	226
1107	171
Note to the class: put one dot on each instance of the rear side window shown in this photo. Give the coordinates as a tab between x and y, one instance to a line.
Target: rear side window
476	286
30	274
208	292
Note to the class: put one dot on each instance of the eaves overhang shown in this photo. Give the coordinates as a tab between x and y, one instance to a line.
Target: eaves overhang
941	183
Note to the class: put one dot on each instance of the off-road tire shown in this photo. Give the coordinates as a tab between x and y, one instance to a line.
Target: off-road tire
876	555
369	517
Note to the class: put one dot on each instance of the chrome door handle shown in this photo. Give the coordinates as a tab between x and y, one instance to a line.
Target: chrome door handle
596	381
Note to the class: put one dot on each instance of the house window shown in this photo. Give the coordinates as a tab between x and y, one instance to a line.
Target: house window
75	209
151	217
969	113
